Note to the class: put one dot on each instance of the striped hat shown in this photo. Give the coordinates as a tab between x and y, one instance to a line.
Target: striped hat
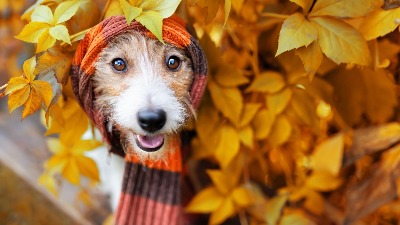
97	38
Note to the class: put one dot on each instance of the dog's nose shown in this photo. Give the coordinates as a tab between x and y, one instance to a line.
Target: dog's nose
152	120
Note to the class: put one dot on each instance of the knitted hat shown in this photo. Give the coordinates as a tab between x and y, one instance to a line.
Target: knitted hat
97	38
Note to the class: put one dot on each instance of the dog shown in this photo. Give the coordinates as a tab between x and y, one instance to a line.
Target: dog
142	88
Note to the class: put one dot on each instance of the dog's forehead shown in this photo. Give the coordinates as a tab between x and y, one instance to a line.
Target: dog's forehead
136	43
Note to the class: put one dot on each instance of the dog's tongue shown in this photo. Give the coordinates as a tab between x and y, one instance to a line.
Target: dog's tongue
151	141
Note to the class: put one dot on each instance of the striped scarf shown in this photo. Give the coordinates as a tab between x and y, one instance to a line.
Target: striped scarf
151	190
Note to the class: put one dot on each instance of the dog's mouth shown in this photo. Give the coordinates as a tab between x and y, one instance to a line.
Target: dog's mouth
149	143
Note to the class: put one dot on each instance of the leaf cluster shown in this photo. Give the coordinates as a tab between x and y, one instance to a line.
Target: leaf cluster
301	114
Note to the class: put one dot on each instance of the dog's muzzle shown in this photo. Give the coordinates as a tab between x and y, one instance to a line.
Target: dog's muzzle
151	120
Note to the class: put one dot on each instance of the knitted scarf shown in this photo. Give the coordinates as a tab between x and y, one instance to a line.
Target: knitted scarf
151	190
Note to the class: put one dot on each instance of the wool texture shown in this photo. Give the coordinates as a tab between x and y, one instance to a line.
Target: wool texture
151	191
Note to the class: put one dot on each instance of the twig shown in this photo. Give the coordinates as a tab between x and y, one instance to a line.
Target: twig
275	15
3	87
242	217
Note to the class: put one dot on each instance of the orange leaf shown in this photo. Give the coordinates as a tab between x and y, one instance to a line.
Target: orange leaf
32	104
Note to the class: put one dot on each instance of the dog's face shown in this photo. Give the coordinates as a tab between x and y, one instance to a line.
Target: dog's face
142	87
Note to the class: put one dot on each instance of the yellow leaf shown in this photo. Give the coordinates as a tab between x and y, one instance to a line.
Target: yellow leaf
112	8
32	32
212	8
262	123
241	197
230	76
314	202
296	218
60	32
32	104
43	14
130	12
207	126
66	10
228	146
278	102
379	23
296	32
85	145
45	42
164	8
43	88
227	10
54	59
227	100
311	56
249	111
226	210
328	155
77	123
87	167
341	42
153	22
15	84
28	68
372	93
205	201
344	8
71	172
56	163
305	4
320	181
246	135
55	146
304	108
237	5
18	98
49	183
221	181
274	208
280	131
268	81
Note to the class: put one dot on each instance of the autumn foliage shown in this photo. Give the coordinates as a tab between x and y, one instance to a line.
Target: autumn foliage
300	120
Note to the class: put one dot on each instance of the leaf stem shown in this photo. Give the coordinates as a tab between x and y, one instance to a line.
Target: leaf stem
312	6
3	87
242	218
275	15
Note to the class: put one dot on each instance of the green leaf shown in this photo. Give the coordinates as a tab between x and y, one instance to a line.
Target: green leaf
165	8
66	10
130	12
43	14
152	20
60	32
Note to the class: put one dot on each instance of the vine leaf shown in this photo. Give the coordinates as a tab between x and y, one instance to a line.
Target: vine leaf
45	27
27	91
296	32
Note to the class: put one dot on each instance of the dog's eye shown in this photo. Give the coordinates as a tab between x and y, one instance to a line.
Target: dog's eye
173	62
118	64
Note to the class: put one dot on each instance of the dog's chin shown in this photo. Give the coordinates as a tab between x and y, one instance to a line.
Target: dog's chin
149	143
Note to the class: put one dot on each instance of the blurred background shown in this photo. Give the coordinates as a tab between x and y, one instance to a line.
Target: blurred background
23	148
